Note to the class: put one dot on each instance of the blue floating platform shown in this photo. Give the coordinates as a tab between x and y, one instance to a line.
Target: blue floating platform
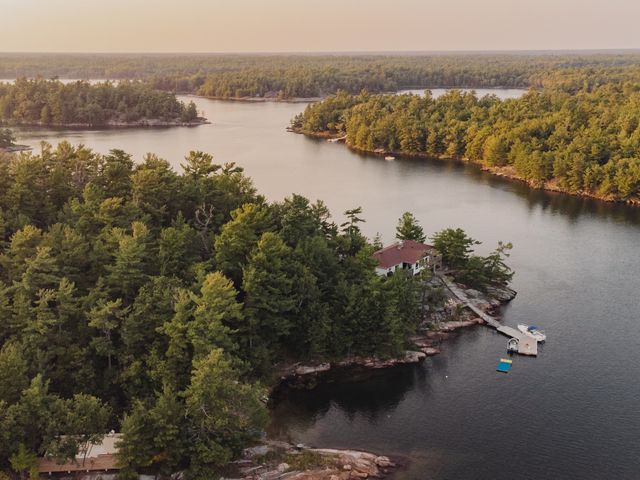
504	365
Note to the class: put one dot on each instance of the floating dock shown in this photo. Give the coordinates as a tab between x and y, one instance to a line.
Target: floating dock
504	365
527	345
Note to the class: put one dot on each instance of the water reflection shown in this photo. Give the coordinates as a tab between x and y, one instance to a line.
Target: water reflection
372	399
555	203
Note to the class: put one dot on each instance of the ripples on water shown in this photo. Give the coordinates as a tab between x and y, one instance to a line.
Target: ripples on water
571	413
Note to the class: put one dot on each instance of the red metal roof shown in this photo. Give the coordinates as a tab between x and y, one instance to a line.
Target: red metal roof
404	251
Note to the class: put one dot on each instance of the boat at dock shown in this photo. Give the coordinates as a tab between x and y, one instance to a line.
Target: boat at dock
513	345
533	331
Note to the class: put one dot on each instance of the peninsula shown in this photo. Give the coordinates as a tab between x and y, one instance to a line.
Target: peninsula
160	304
551	139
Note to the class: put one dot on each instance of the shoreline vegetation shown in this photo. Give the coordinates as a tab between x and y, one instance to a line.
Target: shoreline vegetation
157	304
51	103
435	328
307	76
8	142
505	172
585	144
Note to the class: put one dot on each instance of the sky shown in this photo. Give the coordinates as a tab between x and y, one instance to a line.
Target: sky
316	26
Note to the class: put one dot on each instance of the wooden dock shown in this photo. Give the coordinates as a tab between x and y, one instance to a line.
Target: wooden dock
527	345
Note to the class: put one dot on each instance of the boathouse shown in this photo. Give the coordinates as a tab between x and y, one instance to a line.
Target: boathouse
407	255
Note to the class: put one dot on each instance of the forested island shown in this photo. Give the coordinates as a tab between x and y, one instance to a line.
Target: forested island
81	104
584	143
282	77
159	304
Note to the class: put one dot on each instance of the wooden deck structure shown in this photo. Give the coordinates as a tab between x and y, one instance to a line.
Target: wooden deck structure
527	345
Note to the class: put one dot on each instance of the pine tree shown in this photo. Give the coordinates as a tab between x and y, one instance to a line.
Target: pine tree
215	317
129	269
239	237
223	413
13	373
409	229
270	301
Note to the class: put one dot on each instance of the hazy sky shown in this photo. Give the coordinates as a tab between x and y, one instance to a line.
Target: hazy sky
310	25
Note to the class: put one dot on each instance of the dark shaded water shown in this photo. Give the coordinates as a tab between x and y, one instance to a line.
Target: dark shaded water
573	412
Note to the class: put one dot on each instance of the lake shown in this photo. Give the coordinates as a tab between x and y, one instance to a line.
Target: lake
572	412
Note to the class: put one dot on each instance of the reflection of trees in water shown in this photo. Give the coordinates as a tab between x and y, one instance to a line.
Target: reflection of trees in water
373	398
552	202
571	206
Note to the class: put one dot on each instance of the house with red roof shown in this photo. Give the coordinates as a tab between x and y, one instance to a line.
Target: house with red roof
406	255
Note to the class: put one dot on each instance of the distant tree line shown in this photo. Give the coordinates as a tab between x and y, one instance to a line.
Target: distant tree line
50	102
587	142
287	76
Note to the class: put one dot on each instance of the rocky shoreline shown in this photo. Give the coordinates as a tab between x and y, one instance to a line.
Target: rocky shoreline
272	460
264	99
435	328
143	122
503	172
15	148
330	464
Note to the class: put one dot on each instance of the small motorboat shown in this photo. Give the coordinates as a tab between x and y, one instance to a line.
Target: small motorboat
533	331
389	158
512	345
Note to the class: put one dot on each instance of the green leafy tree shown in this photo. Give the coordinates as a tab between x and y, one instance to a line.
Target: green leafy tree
84	424
455	246
154	438
128	272
216	316
13	373
239	237
496	269
352	239
173	370
272	297
106	317
25	463
409	229
7	139
177	248
224	414
143	348
154	189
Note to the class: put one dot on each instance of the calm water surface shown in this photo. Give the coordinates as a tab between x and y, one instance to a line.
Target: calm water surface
571	413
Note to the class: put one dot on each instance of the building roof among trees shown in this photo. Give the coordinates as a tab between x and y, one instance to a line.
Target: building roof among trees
404	251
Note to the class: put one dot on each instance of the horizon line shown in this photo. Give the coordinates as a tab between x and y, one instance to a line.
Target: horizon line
338	52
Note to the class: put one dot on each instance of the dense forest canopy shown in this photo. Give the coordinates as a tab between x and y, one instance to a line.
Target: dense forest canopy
151	302
585	143
50	102
287	76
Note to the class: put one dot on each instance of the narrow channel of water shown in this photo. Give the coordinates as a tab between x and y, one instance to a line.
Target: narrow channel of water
573	412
